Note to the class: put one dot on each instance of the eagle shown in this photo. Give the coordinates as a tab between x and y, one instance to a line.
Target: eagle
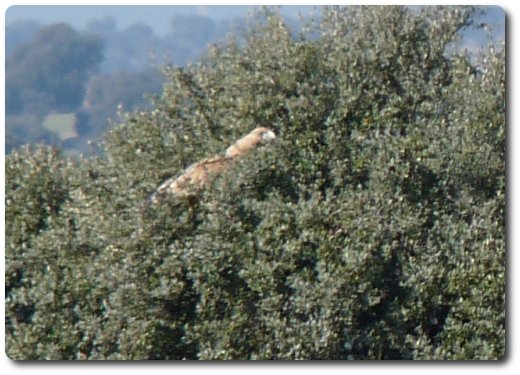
200	174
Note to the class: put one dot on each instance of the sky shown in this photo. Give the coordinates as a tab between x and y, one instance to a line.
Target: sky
158	17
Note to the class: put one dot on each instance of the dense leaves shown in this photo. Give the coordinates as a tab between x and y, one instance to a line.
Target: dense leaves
372	228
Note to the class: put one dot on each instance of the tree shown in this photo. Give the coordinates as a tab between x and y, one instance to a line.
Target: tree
105	93
19	129
372	228
18	33
50	72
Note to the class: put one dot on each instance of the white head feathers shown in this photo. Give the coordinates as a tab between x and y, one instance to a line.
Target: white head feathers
249	142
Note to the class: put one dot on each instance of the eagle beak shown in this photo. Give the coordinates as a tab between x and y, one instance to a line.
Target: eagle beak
267	136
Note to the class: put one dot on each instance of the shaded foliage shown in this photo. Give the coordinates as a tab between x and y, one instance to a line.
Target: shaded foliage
372	228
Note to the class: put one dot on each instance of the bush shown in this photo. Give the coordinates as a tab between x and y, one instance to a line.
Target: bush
372	228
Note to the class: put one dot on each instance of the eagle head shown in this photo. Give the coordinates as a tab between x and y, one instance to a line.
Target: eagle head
250	141
265	133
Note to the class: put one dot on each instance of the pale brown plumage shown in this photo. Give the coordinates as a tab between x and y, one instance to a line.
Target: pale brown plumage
249	142
200	174
196	176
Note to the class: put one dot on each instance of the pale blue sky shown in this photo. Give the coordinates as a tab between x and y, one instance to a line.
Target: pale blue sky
157	17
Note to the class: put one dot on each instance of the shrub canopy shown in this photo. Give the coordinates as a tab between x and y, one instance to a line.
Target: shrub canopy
372	228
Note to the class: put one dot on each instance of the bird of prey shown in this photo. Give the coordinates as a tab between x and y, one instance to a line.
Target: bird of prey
198	175
249	142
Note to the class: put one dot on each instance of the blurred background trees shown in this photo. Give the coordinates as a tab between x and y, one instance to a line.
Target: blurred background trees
57	69
47	75
372	228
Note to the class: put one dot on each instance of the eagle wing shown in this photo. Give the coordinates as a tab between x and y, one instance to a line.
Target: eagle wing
200	174
195	177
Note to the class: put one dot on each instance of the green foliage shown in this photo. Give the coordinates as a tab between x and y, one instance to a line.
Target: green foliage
372	228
